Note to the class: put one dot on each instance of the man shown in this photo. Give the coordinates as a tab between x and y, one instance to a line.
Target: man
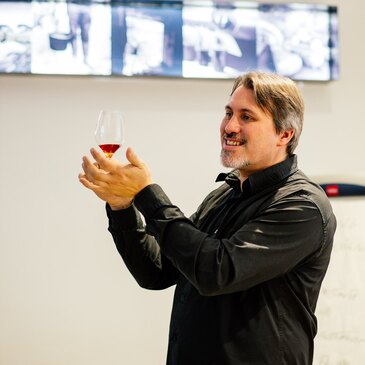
249	264
79	13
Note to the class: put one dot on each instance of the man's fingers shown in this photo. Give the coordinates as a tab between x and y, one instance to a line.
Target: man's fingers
92	172
87	164
101	160
84	181
94	185
133	158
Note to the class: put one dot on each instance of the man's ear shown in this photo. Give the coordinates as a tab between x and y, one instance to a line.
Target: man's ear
285	137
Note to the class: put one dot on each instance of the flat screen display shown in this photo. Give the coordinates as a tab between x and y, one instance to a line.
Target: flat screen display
201	39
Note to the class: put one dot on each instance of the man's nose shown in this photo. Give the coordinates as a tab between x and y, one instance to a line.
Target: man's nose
232	126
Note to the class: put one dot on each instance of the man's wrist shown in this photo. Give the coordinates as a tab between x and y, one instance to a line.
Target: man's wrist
121	206
150	199
123	219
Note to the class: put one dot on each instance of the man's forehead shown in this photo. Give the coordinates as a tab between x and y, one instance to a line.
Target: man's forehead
242	98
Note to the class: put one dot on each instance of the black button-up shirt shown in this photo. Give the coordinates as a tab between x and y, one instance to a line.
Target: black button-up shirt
248	266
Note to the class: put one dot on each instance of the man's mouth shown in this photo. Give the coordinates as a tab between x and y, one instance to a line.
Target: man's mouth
230	142
233	141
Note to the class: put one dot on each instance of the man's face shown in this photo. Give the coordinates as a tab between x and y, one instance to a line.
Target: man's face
248	136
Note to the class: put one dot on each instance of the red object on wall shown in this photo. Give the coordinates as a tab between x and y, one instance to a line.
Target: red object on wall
340	189
332	190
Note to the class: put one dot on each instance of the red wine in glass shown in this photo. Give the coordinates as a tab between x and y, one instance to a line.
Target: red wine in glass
109	149
109	132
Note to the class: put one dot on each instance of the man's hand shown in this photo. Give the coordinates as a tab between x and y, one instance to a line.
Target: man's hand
114	182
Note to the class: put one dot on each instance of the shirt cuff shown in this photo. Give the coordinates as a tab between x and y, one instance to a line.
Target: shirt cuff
149	200
123	219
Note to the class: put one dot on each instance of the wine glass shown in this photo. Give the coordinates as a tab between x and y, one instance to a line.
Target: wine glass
109	132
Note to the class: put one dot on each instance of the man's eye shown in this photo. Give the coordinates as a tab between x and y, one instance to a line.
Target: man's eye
228	114
246	117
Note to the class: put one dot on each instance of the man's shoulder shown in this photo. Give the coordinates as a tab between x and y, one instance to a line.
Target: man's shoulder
300	187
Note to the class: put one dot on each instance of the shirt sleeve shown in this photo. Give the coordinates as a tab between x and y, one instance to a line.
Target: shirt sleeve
140	251
268	246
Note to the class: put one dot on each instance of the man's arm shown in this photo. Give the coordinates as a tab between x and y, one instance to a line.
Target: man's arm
140	251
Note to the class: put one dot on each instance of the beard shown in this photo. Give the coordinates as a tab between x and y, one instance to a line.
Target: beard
228	159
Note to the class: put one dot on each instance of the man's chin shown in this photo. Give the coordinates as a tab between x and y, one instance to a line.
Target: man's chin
228	159
225	162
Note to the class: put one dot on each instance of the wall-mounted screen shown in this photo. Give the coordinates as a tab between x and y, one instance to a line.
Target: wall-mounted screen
196	39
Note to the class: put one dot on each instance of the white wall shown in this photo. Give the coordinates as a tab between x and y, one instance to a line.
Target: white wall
65	296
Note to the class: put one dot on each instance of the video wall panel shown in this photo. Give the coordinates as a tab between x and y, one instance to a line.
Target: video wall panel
168	39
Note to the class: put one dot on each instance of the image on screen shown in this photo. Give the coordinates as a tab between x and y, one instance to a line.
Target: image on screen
146	40
219	42
295	40
15	37
71	38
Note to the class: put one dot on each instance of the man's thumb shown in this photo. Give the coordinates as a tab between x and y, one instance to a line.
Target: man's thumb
133	158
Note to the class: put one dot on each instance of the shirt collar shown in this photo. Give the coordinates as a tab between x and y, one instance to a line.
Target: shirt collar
261	179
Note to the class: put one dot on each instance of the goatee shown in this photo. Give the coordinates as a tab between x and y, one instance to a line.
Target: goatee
228	159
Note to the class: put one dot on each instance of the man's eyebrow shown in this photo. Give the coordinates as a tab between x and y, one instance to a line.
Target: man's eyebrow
246	110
